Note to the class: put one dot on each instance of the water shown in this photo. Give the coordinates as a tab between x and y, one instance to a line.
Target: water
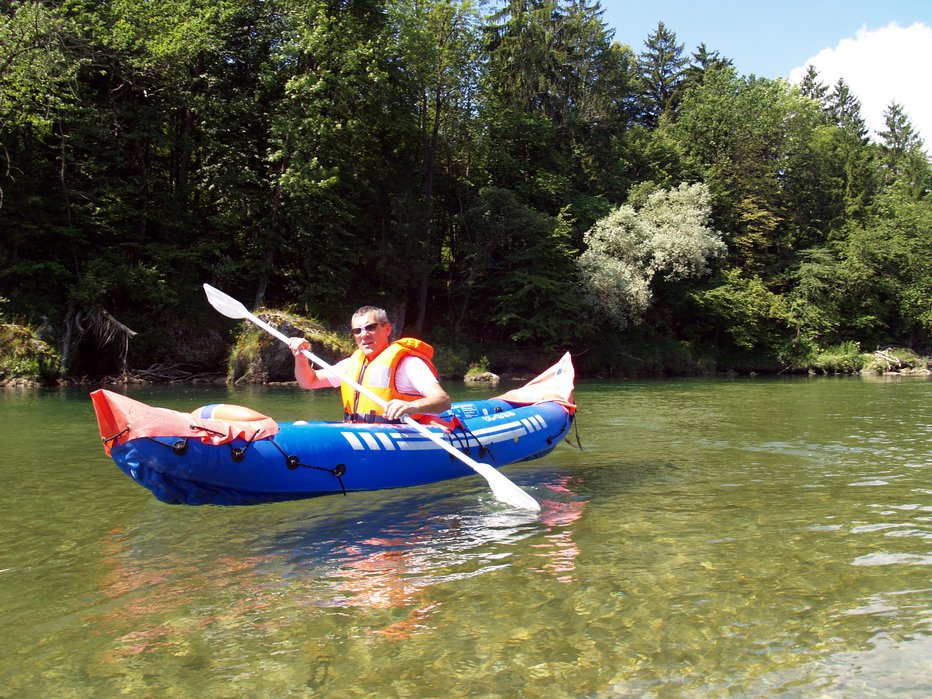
715	538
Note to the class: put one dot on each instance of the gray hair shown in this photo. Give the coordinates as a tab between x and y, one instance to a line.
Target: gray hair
380	315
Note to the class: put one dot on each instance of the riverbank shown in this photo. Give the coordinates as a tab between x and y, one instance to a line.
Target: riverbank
880	363
254	358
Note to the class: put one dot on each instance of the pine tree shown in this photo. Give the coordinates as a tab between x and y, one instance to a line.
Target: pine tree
845	111
810	86
662	69
853	154
899	139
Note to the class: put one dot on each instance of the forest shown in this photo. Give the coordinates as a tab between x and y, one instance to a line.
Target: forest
504	178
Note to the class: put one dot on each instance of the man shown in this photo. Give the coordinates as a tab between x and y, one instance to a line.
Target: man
400	372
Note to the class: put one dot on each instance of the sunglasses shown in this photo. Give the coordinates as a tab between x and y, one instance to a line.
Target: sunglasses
365	329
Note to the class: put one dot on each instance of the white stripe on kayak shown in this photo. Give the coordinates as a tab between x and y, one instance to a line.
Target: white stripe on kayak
504	427
362	441
416	445
386	442
505	436
353	441
369	440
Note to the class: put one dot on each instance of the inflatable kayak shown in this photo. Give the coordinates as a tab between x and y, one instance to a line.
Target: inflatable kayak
231	455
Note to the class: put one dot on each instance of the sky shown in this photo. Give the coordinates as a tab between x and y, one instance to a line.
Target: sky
882	48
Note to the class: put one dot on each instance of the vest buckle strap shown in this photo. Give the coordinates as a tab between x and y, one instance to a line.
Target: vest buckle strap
370	418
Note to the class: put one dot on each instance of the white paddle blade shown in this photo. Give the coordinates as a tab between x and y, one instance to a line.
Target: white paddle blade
502	488
227	305
506	491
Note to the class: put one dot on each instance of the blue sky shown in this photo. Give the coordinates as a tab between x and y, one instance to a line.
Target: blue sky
853	39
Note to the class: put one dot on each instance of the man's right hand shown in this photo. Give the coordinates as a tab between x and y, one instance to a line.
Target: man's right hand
297	344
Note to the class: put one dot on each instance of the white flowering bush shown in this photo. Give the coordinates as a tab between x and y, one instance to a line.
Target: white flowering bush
668	236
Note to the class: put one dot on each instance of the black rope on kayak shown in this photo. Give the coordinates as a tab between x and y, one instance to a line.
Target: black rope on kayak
483	449
116	436
459	443
550	438
206	429
578	444
179	446
239	453
337	471
463	435
293	461
275	444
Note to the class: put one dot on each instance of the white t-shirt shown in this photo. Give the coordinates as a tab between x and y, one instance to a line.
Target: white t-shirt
413	377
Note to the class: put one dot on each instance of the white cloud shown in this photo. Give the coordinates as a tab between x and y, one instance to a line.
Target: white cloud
885	65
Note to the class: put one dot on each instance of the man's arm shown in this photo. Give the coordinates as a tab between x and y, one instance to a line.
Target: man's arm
306	375
435	400
421	379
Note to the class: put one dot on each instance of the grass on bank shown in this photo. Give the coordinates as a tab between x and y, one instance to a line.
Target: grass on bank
24	356
848	358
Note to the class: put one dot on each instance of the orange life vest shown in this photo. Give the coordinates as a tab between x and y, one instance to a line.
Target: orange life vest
378	375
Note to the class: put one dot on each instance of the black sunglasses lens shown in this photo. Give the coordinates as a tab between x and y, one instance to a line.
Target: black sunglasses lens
365	329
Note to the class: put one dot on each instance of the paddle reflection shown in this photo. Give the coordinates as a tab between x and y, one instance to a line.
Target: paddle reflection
397	566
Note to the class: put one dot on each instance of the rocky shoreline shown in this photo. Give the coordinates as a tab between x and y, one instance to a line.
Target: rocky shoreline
148	377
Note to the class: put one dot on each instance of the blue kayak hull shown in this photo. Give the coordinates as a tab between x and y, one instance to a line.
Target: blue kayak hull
309	459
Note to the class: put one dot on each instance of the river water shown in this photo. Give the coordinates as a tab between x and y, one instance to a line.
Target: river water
714	538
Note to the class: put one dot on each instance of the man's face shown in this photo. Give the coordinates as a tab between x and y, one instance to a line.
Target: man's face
370	335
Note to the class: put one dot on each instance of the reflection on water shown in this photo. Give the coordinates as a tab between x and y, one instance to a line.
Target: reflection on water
715	538
390	560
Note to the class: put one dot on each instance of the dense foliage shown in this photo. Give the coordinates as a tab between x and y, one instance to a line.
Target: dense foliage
504	175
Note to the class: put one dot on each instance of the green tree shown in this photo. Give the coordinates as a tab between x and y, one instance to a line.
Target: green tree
346	145
812	182
519	104
885	290
517	271
127	171
702	61
438	44
813	299
852	152
810	86
754	318
902	157
735	133
597	96
662	69
36	74
237	181
551	104
35	66
553	100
